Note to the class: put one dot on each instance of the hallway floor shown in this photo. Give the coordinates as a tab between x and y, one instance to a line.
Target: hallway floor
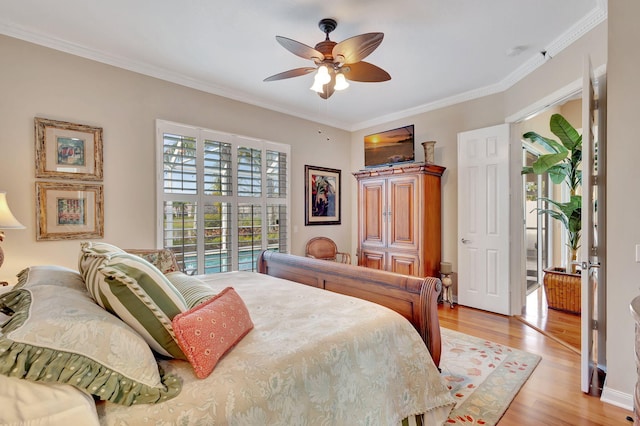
560	326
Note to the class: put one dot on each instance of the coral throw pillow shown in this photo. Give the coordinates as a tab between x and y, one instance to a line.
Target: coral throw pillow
209	330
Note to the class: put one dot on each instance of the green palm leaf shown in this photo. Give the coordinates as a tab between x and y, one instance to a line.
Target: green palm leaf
562	165
547	161
569	136
547	143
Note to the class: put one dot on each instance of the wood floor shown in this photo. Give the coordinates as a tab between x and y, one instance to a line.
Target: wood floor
552	395
562	326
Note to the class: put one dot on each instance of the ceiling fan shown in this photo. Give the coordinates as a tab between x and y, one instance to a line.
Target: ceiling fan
335	62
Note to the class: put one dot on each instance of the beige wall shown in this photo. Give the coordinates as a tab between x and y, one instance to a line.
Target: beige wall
37	81
441	126
623	202
444	124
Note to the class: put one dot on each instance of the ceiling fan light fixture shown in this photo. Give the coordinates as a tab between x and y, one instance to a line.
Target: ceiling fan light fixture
323	75
317	86
341	82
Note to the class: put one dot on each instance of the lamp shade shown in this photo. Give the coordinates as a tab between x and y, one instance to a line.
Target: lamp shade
7	220
341	82
445	268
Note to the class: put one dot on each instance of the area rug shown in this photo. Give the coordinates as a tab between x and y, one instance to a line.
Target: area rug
483	376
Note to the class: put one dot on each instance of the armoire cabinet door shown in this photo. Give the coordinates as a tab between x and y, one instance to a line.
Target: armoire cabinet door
403	213
373	216
404	263
372	259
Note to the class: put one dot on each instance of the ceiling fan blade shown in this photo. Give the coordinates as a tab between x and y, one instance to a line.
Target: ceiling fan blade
364	71
296	72
300	49
357	48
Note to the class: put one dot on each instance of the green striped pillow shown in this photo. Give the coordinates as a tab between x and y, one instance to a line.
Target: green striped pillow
138	293
93	254
192	289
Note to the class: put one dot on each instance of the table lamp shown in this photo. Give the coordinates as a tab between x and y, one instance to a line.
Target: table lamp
447	291
7	221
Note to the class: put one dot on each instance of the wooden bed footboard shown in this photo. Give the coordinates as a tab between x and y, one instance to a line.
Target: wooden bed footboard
414	298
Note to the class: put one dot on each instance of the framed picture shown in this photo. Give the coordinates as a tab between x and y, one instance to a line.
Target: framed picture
69	211
67	150
322	196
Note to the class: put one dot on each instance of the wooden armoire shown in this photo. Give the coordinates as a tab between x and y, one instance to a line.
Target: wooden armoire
399	225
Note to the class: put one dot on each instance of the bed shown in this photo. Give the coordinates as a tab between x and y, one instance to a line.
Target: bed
312	356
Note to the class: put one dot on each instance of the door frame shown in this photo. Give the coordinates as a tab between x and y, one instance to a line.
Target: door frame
518	257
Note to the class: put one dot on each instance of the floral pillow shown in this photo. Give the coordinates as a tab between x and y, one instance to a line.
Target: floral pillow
163	259
208	331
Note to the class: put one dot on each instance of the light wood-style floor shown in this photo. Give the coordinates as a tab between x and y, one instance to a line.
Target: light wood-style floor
552	395
564	327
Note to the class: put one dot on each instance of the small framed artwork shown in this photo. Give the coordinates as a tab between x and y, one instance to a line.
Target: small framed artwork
69	211
68	150
322	196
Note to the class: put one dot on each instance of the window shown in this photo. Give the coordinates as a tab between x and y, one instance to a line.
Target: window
222	198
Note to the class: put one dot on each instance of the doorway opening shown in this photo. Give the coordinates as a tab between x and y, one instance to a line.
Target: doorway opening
544	238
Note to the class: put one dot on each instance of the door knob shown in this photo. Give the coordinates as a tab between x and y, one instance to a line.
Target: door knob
465	241
589	264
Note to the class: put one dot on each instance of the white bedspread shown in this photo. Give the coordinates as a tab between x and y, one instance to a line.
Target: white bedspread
313	358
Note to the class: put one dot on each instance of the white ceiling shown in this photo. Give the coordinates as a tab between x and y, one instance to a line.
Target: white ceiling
438	52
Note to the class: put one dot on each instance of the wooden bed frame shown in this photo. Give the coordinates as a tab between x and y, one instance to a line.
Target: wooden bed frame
414	298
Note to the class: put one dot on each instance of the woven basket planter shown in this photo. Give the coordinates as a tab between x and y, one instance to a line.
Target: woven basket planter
563	290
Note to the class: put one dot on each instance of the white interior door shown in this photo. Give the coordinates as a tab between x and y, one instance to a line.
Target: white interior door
483	219
591	256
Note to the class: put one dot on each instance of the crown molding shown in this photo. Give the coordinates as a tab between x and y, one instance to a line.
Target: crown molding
586	24
597	15
151	71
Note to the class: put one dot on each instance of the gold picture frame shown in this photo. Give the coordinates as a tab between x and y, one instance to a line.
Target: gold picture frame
69	211
68	150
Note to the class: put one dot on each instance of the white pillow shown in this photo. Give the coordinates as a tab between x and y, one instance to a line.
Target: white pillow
24	402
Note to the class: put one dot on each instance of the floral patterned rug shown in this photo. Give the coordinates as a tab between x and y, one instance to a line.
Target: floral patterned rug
483	376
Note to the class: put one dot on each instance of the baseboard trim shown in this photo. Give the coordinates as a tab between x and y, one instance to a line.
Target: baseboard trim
617	398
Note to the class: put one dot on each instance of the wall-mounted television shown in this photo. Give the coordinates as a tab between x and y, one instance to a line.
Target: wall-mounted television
389	147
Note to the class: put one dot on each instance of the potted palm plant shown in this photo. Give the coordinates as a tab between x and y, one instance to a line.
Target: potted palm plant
562	163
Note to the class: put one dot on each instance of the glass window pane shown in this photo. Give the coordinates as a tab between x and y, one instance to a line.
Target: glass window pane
217	168
276	174
249	172
179	164
277	230
180	233
217	238
249	236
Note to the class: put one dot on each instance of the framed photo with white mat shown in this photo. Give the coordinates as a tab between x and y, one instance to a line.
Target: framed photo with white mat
68	211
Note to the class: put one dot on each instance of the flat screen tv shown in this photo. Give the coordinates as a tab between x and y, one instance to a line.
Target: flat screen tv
390	147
